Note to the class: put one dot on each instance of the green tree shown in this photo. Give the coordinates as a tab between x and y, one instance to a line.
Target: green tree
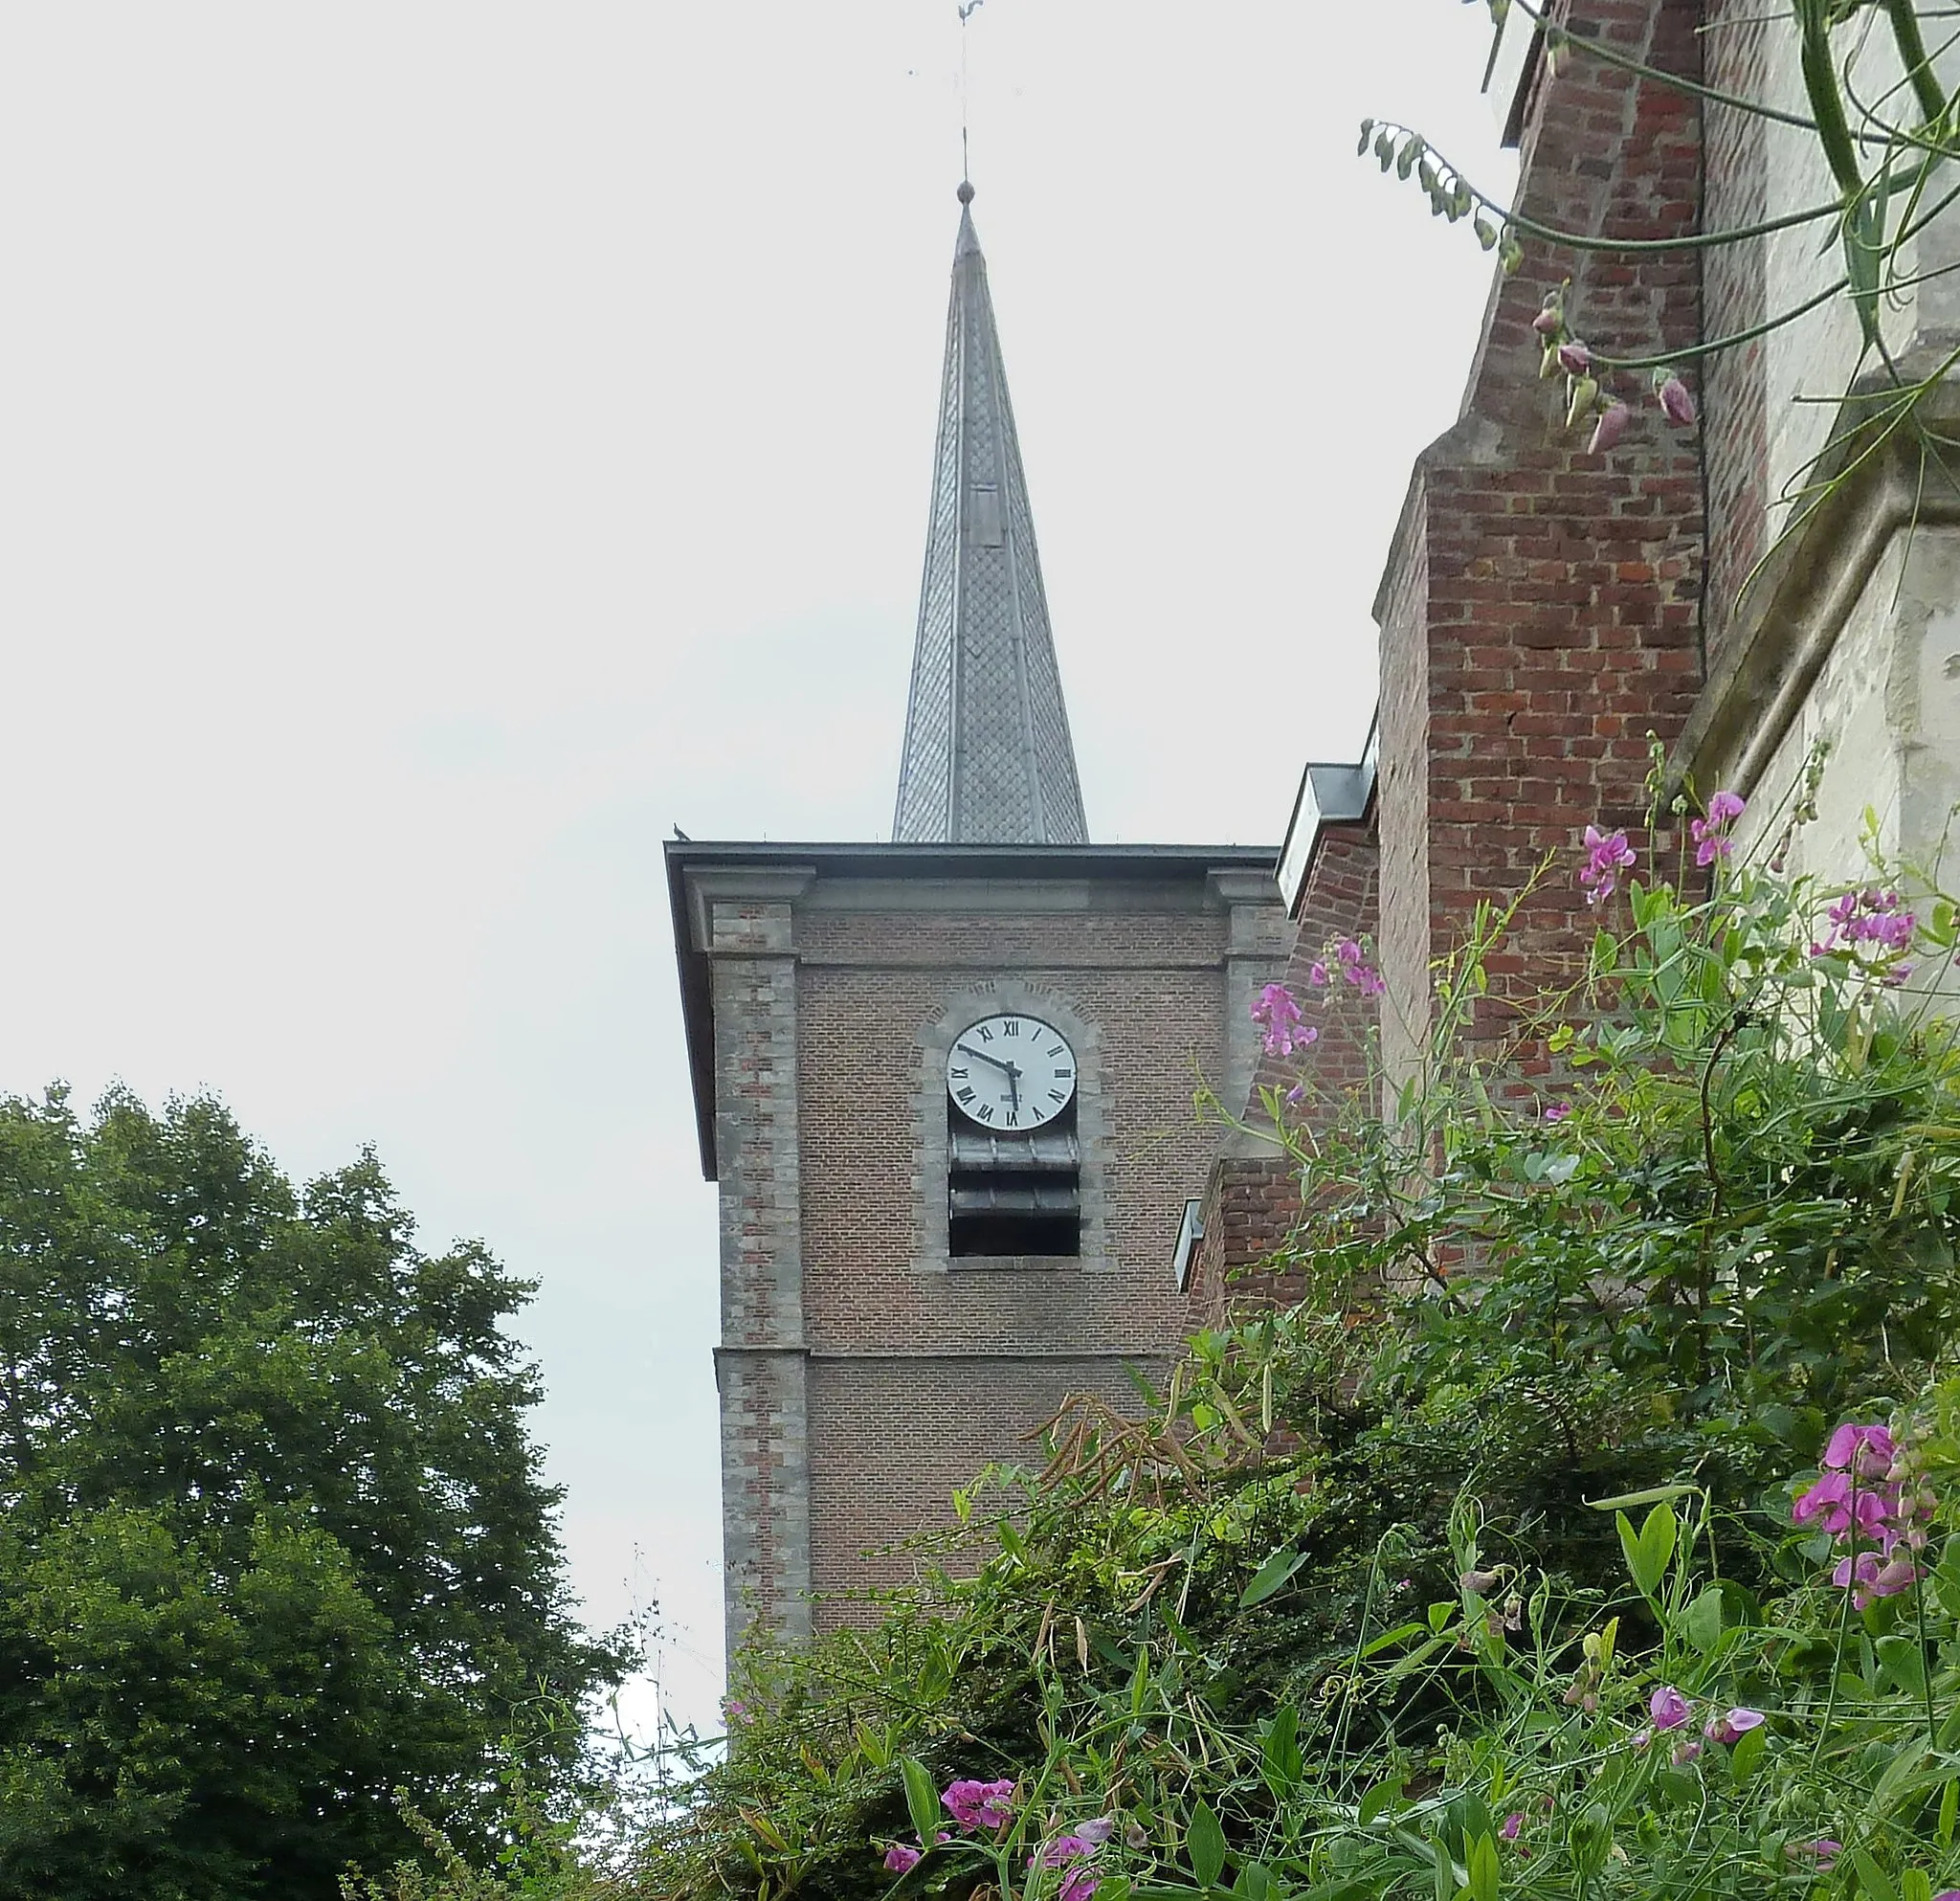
274	1542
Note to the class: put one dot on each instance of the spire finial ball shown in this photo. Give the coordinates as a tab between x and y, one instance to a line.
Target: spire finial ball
964	193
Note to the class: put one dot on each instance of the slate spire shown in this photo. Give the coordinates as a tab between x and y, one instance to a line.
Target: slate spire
988	758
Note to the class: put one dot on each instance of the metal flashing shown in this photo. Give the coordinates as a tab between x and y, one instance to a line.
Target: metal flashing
1330	794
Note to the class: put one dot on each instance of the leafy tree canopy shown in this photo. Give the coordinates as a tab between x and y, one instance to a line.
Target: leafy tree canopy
276	1543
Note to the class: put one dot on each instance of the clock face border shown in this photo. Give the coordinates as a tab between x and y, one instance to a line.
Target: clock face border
978	1092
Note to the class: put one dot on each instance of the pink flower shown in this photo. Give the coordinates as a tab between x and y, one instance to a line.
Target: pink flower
898	1858
1071	1852
1098	1831
1317	975
1356	969
1557	1111
1552	319
1676	404
1609	429
1607	855
1685	1751
1711	834
1732	1725
1668	1708
1869	1450
1283	1018
1296	1095
1856	1575
1512	1823
1641	1738
984	1805
1574	358
1824	1849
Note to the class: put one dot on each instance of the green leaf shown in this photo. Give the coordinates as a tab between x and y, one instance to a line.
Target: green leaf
922	1799
1904	1662
1280	1749
1367	133
1949	1812
1486	231
1872	1879
1206	1840
1388	1638
1269	1577
1378	1799
1701	1623
1253	1884
1652	1495
1481	1865
1649	1556
1914	1884
1746	1756
1443	1868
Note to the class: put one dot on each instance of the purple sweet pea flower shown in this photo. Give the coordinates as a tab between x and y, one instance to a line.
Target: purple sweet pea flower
1867	1450
986	1806
1732	1725
1676	404
1574	358
1512	1823
898	1858
1607	855
1668	1708
1283	1021
1556	1113
1609	429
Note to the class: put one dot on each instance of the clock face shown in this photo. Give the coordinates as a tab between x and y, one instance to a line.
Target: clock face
1010	1072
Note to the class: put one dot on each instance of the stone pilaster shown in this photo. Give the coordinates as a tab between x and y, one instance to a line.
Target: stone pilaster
744	922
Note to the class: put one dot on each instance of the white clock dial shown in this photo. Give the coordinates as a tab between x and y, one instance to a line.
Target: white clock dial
1010	1072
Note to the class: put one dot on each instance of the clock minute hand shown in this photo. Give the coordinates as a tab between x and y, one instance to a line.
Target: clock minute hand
966	1049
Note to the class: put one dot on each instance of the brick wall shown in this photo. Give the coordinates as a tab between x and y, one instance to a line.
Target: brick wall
864	1373
892	1439
1540	613
1252	1201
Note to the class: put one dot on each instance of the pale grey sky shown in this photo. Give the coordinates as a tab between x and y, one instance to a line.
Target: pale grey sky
445	444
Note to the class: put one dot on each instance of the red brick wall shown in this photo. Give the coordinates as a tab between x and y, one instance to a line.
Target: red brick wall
891	1440
920	1375
1541	615
1252	1202
1339	901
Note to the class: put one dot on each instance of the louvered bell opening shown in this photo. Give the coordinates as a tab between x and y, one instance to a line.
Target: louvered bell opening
1040	1152
1015	1193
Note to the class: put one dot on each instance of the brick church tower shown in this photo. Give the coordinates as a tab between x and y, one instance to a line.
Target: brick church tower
945	1085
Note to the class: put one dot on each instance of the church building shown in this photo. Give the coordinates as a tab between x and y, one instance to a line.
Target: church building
945	1085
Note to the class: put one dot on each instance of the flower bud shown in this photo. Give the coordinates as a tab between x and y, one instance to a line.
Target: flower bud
1552	320
1574	358
1609	429
1584	392
1676	404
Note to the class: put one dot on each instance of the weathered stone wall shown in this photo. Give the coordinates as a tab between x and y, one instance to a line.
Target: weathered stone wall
1843	636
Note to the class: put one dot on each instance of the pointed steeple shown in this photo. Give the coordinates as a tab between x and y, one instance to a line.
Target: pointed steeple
988	758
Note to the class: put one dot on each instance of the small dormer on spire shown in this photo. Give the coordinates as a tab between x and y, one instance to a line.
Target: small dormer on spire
988	758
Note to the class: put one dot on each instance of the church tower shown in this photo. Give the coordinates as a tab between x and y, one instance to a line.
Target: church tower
945	1085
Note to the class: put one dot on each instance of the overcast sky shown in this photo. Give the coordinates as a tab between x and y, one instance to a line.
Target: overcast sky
445	445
